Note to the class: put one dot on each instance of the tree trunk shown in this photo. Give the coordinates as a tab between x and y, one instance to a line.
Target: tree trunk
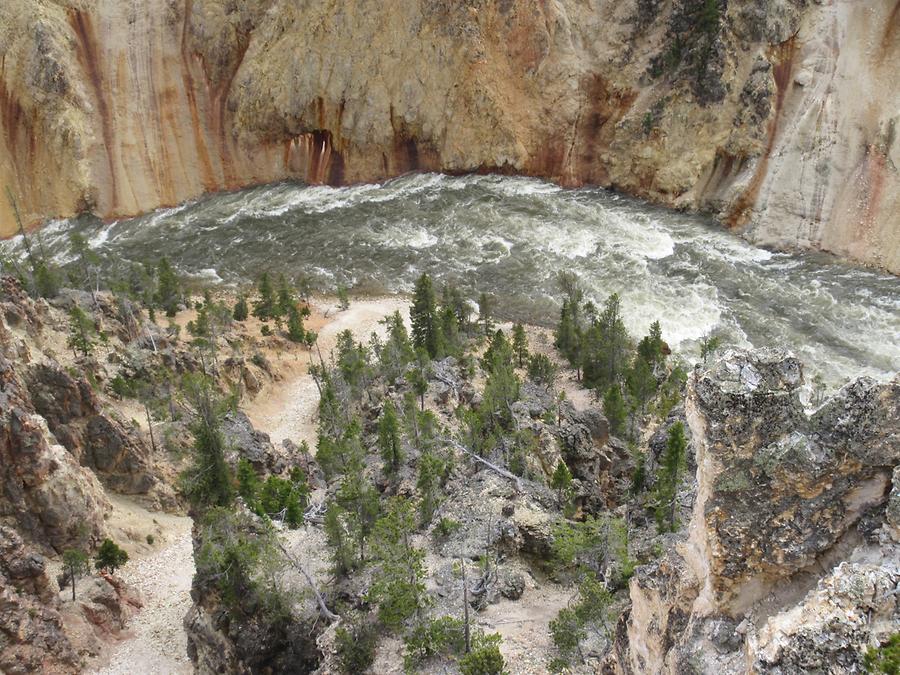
465	605
72	577
150	428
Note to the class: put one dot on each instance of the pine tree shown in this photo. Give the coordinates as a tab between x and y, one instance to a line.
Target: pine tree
248	483
432	471
265	307
650	347
398	586
168	291
359	499
485	313
561	479
418	376
389	439
207	482
614	409
75	563
295	329
240	308
397	351
641	382
606	344
285	302
86	259
81	332
110	557
339	541
568	337
668	477
520	344
423	317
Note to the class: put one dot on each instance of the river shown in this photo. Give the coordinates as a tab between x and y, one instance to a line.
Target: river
510	236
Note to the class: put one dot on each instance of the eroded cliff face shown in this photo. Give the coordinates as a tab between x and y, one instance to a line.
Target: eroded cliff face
780	117
790	561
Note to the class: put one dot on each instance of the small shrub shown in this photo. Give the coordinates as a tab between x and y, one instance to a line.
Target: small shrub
266	331
151	539
485	657
355	647
110	557
446	527
884	660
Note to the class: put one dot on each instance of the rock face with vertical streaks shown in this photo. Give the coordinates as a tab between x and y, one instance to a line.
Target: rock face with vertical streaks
779	117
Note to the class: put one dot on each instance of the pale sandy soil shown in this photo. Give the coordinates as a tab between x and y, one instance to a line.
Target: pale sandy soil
287	408
162	574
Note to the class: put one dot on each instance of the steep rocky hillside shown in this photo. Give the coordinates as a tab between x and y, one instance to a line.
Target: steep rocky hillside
779	117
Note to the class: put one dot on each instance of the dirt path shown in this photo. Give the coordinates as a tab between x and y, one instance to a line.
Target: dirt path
287	408
157	643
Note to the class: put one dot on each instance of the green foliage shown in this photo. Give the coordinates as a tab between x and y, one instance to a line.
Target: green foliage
275	496
434	471
485	657
343	298
397	351
265	307
241	310
76	563
285	303
446	526
295	330
709	344
614	409
541	370
207	482
668	477
486	313
81	332
426	328
110	557
605	347
352	362
355	643
589	612
651	346
239	557
884	659
168	289
561	481
442	637
520	344
669	394
641	381
596	545
398	585
639	475
418	375
359	500
389	439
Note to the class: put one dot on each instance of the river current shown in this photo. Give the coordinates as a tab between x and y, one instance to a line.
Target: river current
510	237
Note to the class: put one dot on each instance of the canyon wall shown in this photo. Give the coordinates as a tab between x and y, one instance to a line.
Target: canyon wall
779	117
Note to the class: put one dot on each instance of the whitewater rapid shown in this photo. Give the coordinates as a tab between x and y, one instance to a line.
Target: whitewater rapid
509	237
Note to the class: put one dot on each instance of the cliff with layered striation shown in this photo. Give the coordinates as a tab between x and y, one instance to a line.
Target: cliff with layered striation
779	117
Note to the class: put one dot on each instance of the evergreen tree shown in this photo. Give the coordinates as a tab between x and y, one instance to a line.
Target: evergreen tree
168	290
641	382
265	307
614	409
708	345
207	482
285	302
75	563
352	362
432	473
561	480
541	370
453	300
397	351
418	376
339	541
449	332
359	499
81	332
110	557
668	477
248	483
398	586
606	344
651	346
295	329
423	317
389	439
241	310
485	313
86	259
569	339
520	344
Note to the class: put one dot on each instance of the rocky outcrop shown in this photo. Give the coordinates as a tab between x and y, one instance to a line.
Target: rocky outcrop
116	453
44	492
782	498
777	116
32	638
